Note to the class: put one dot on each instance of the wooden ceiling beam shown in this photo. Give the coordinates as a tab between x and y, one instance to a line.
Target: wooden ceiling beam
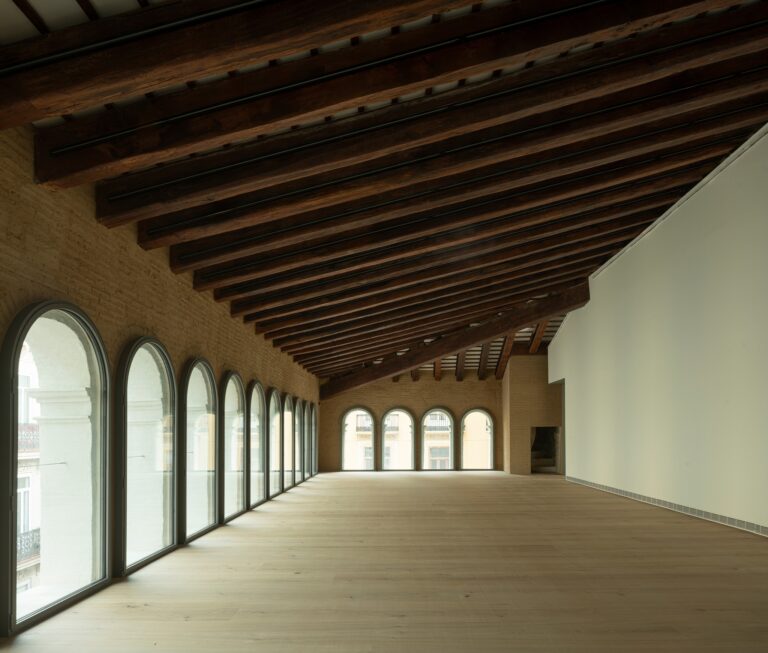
451	245
437	267
332	198
506	352
537	336
446	287
482	366
288	157
431	308
460	361
415	374
259	32
514	319
437	367
427	236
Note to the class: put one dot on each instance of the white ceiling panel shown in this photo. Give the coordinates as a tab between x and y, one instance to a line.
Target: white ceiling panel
59	14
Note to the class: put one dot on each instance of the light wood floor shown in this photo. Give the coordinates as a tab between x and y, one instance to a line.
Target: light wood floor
464	562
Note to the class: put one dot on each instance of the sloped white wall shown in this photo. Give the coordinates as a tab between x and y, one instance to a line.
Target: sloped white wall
666	368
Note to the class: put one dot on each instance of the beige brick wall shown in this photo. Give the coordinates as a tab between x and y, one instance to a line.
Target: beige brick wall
51	247
528	400
416	396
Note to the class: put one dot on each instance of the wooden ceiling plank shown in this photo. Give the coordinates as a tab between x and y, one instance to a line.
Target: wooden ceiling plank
190	183
220	217
506	352
513	320
260	32
426	237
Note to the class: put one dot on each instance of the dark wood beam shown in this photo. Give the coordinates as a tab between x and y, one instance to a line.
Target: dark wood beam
334	198
482	367
88	9
513	320
438	369
434	319
287	157
537	336
506	352
32	15
438	267
460	360
415	374
402	242
260	32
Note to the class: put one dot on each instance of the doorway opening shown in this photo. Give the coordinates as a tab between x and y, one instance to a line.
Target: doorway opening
545	450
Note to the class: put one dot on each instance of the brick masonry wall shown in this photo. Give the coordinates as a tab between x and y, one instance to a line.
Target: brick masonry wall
51	247
415	396
528	400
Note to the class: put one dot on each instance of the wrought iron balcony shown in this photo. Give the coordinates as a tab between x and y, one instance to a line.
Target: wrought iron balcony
27	545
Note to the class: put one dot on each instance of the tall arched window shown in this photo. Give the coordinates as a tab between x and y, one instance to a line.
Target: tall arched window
477	440
258	432
357	437
288	443
55	388
275	437
233	462
397	443
307	441
150	443
437	440
200	457
298	429
315	448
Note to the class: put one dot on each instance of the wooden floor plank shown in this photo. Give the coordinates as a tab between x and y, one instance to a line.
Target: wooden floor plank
456	562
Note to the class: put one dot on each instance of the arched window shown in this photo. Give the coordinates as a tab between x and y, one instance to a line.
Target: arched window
288	442
357	437
437	440
275	436
233	428
55	385
397	450
314	444
150	443
257	412
200	405
477	440
298	429
307	441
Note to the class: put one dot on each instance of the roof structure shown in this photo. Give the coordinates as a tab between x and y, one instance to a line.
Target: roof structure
379	186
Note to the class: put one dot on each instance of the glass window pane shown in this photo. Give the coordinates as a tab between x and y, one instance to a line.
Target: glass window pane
357	441
288	443
234	448
59	489
307	442
477	440
201	450
397	449
275	470
258	489
437	440
315	451
297	431
149	456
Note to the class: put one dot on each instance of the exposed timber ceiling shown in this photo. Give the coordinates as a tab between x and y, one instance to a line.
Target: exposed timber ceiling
380	185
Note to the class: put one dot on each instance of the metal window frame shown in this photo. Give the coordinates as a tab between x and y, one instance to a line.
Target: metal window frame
223	517
121	567
454	449
460	440
274	393
255	388
298	432
9	363
383	439
376	462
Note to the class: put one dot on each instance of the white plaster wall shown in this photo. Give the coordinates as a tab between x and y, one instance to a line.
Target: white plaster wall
666	368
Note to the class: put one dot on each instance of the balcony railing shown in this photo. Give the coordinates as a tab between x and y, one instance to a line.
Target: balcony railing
29	438
27	545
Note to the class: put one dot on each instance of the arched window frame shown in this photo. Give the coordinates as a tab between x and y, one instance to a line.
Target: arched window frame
275	394
452	457
307	464
373	437
189	368
460	440
382	439
256	391
299	473
121	402
230	375
288	401
9	363
315	444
